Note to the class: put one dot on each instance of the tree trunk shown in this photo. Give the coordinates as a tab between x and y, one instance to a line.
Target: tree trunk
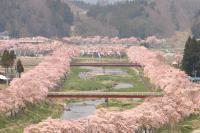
7	82
5	71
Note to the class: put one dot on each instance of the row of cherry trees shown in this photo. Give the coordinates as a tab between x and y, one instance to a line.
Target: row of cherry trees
33	86
26	49
103	50
181	99
115	40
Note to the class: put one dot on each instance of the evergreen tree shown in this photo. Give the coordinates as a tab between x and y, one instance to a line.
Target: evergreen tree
185	62
12	58
19	67
191	57
5	60
12	54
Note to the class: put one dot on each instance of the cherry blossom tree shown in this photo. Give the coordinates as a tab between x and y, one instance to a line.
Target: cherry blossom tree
181	99
33	85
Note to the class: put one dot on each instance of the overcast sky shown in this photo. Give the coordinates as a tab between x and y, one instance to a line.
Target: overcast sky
95	1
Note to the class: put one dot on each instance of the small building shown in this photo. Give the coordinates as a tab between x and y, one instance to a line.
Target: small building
4	35
194	79
175	64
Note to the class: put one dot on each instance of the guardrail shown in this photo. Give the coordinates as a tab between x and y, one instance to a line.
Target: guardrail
104	94
107	64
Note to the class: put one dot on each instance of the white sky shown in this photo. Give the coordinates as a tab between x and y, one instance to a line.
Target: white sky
95	1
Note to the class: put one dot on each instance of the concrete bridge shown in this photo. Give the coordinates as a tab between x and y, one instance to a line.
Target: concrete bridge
63	95
107	64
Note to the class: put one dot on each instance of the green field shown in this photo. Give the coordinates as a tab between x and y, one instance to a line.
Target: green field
120	105
104	82
32	114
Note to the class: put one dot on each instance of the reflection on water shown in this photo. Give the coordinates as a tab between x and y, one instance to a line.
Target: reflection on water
123	86
81	109
106	71
86	108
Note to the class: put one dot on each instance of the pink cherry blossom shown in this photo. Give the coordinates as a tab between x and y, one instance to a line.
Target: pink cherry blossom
33	86
181	99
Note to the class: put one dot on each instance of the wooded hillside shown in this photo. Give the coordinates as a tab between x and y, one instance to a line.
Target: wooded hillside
35	18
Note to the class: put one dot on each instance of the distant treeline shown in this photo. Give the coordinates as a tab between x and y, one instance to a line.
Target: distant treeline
196	26
130	18
139	18
35	18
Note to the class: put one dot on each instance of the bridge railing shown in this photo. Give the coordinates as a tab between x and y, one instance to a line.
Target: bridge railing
104	94
107	64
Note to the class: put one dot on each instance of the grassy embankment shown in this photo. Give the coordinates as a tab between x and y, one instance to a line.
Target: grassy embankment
103	82
31	115
120	105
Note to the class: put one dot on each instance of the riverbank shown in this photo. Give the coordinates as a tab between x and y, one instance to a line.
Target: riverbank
104	82
119	105
108	79
30	115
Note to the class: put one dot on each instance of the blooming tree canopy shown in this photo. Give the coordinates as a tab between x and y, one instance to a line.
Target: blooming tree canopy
33	86
181	99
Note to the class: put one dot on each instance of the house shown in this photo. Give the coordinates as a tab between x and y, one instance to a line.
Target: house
194	79
4	35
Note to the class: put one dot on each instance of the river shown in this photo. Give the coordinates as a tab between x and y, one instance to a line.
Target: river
86	108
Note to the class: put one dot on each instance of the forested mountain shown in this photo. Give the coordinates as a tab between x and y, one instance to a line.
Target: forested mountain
60	18
35	18
196	26
97	1
133	21
147	17
85	25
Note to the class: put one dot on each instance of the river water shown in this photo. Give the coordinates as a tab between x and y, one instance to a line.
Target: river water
105	71
86	108
81	109
123	86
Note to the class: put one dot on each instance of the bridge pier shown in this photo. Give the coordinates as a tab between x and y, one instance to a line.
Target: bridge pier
106	101
104	70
